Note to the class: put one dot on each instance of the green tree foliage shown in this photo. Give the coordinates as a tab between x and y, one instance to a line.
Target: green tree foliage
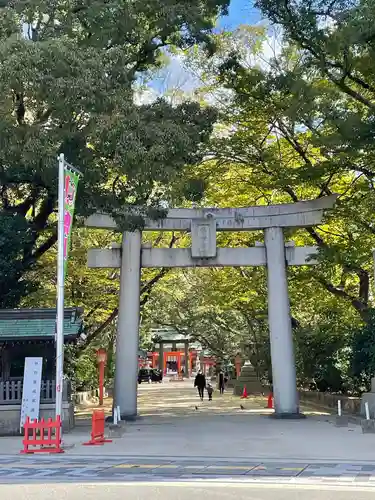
327	85
337	42
291	127
285	137
220	308
363	354
69	73
96	291
289	132
13	234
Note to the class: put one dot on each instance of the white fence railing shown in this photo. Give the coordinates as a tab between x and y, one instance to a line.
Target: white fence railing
11	391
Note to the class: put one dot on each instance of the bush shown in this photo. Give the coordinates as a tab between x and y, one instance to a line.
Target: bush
82	370
317	359
363	355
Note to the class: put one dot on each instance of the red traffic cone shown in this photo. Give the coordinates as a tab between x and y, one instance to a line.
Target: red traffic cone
244	394
270	401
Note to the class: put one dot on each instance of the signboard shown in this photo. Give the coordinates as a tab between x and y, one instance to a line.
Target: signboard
32	378
203	238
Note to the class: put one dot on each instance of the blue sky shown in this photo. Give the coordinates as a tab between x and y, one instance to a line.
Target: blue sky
240	12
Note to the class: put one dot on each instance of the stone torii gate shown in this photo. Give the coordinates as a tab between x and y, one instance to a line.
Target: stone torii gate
203	225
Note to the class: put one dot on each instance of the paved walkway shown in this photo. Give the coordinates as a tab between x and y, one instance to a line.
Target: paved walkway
176	399
175	425
166	490
180	399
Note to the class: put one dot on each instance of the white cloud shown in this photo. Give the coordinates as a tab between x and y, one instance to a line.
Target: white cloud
145	96
181	80
271	48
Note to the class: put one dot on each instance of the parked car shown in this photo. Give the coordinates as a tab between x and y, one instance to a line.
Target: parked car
149	375
156	375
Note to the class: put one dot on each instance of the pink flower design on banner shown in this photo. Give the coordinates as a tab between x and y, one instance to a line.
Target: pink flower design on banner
67	225
70	190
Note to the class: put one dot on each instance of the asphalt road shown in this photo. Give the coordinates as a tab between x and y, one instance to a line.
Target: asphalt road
78	469
180	491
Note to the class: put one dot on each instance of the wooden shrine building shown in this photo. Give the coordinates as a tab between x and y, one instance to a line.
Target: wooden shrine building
31	332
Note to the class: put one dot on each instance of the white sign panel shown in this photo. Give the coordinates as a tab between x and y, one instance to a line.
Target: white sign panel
203	238
32	378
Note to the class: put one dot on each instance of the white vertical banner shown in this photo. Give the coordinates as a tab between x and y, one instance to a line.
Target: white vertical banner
32	379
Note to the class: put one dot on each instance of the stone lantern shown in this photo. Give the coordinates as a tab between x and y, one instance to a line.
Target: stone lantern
248	378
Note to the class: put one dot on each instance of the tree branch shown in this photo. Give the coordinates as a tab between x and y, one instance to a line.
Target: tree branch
290	22
94	334
359	306
144	297
146	289
41	250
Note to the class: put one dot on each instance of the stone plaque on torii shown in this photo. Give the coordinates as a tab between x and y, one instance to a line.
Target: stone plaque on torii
203	224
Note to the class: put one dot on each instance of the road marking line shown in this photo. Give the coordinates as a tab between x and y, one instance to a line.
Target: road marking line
47	466
145	466
136	466
292	468
44	473
230	467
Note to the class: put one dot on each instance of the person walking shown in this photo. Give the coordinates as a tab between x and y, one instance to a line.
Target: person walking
221	382
210	391
200	384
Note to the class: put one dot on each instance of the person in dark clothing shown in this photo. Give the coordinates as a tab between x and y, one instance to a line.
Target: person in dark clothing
221	382
200	383
210	390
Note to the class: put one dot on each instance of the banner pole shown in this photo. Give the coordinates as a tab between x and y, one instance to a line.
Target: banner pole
60	291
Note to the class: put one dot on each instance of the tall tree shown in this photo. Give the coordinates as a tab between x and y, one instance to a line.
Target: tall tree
290	133
96	291
68	75
337	38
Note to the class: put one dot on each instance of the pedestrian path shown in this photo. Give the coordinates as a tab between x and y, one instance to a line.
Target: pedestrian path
180	399
174	423
173	399
31	469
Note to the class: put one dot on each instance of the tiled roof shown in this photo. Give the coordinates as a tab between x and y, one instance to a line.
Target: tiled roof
20	324
169	334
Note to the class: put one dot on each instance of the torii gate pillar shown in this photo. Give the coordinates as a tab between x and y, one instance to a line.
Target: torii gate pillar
203	224
280	326
126	373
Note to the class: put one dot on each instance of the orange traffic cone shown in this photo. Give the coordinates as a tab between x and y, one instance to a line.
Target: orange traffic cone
244	394
270	401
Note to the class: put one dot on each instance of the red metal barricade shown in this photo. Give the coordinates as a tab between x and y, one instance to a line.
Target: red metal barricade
45	435
97	429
